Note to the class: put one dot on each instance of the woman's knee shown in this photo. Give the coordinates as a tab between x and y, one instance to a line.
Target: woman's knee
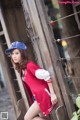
27	117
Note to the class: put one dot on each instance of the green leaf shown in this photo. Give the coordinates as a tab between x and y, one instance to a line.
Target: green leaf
74	117
78	112
78	101
74	114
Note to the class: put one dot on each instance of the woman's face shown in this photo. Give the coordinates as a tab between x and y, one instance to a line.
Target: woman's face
16	56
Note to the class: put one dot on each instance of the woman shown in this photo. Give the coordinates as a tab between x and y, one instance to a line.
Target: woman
38	81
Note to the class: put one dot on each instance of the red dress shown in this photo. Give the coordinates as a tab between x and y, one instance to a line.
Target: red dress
38	87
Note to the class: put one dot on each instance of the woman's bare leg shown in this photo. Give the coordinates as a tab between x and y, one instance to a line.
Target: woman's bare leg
38	118
32	113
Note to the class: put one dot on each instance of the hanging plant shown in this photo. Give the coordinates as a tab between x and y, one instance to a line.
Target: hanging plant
76	114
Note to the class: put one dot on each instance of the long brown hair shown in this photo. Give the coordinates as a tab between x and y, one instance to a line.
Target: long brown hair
21	66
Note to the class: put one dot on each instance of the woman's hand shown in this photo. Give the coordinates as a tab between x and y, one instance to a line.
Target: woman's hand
53	99
53	95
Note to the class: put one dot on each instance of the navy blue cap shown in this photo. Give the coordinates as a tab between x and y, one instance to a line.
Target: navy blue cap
16	45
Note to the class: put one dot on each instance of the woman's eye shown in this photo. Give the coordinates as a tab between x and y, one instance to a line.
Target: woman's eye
17	53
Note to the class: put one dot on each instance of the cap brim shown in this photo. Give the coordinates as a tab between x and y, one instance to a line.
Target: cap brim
8	51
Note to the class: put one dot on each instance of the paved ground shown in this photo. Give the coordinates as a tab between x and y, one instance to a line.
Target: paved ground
6	105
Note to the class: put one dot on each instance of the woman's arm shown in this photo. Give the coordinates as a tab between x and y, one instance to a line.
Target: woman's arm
50	87
44	74
53	96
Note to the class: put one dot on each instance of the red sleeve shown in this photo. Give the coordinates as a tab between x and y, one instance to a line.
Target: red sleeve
38	72
32	67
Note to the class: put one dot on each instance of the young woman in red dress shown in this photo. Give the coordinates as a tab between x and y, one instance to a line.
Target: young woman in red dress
38	81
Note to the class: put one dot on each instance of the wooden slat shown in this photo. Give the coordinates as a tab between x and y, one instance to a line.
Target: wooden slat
31	32
7	75
4	27
1	33
22	111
